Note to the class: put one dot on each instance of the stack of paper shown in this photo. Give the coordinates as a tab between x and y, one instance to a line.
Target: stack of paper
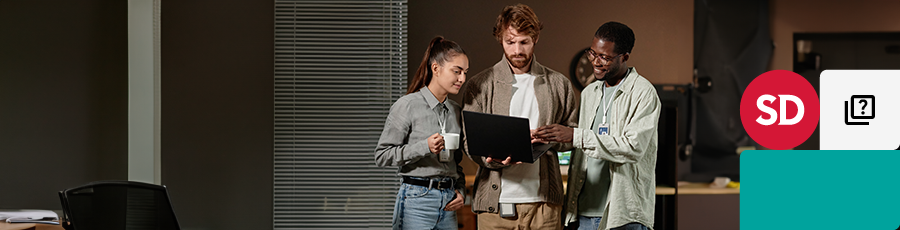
30	216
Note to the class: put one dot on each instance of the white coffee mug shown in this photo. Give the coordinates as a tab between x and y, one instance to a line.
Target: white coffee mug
451	141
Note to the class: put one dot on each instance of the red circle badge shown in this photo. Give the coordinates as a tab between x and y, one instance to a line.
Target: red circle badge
780	109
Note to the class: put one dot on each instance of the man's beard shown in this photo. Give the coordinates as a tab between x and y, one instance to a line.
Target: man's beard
518	64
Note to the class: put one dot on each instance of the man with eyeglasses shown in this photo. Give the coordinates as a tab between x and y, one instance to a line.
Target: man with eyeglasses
611	182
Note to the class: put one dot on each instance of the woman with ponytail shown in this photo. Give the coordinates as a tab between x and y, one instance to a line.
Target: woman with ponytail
413	139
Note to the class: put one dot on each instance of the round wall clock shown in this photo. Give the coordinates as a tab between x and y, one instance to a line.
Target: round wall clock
581	71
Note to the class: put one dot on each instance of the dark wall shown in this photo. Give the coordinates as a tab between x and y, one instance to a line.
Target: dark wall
663	29
217	112
709	211
64	101
63	98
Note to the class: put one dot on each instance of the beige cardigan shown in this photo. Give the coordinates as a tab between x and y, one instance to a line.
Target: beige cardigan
490	91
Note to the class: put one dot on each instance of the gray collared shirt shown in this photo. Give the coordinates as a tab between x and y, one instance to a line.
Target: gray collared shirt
413	118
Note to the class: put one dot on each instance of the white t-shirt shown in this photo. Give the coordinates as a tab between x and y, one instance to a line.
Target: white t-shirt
520	183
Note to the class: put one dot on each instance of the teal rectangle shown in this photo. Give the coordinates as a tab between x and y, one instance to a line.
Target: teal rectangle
820	189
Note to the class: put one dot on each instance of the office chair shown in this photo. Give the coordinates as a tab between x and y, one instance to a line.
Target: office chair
117	205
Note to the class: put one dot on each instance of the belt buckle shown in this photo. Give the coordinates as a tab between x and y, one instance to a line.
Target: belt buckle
438	183
434	183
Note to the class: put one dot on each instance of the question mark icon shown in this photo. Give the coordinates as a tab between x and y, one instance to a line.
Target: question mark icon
865	103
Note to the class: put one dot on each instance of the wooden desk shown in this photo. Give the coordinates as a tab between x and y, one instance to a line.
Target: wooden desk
665	190
8	226
703	188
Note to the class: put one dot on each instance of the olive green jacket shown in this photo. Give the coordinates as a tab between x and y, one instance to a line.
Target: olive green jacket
629	149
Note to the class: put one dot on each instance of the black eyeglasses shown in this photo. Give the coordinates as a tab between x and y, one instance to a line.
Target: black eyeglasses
594	56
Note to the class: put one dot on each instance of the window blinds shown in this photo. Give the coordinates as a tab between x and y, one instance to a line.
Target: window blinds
339	65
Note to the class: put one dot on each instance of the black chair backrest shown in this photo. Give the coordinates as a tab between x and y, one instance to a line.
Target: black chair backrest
114	205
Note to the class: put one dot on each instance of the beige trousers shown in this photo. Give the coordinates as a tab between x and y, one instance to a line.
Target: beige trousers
528	216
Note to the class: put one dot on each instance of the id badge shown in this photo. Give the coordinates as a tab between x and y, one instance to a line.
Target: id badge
603	129
445	155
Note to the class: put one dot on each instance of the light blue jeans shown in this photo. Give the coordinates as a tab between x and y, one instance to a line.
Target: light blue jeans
593	223
420	208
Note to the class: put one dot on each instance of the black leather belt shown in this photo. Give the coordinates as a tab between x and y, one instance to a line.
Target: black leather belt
432	183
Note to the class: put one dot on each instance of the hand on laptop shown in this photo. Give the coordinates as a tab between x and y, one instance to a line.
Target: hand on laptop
554	132
508	161
537	140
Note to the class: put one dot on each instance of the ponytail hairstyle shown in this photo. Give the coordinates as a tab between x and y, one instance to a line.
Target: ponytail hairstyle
439	51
